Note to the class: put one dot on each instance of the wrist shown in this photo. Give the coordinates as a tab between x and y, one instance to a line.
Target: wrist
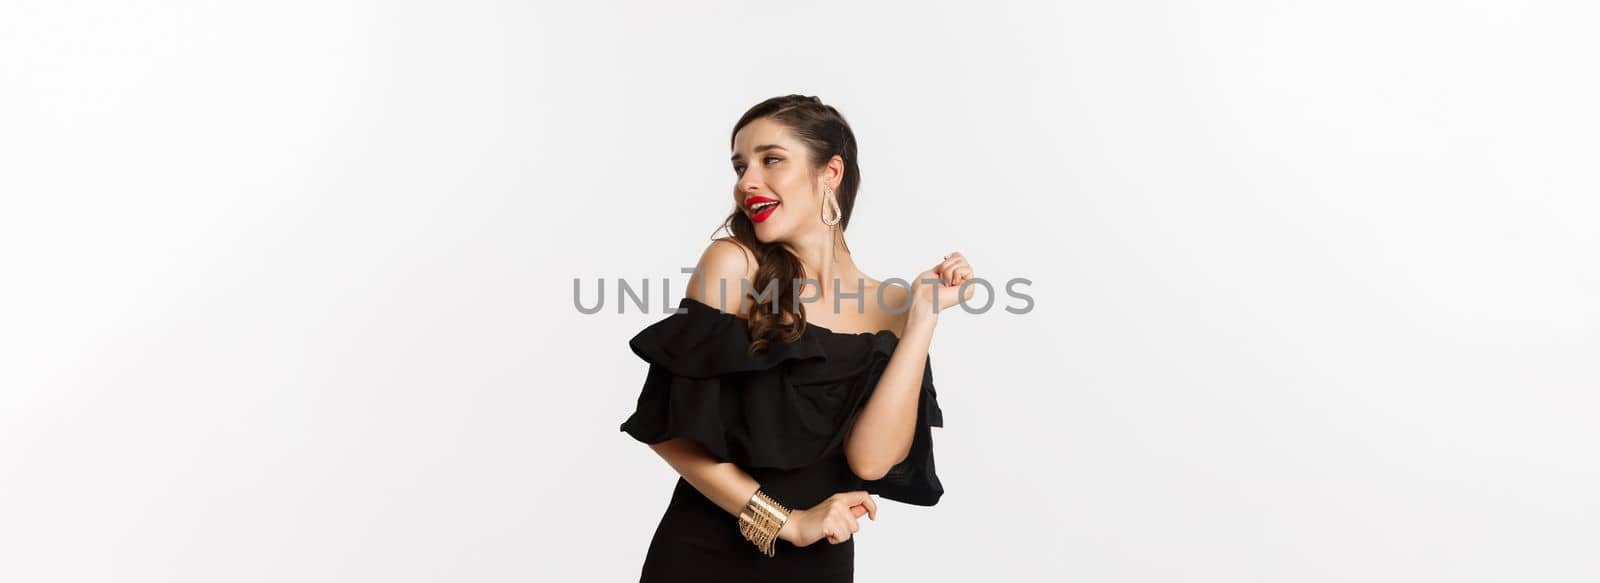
761	520
922	316
787	532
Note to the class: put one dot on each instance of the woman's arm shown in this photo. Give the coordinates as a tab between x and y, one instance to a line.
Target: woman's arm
730	488
719	269
883	433
721	482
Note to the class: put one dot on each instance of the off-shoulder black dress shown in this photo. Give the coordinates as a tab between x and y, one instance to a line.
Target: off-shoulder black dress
782	416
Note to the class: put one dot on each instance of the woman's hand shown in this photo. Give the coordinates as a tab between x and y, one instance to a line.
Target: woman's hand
950	273
833	519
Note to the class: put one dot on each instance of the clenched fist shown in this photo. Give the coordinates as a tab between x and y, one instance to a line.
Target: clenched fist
833	519
946	291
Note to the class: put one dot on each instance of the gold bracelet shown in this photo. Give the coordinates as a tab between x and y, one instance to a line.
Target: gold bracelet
761	520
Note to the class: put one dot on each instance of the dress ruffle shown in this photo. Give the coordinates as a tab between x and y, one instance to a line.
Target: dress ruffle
784	408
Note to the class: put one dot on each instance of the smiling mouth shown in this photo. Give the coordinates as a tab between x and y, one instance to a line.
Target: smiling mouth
761	210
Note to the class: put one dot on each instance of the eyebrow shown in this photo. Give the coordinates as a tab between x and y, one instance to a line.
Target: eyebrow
761	148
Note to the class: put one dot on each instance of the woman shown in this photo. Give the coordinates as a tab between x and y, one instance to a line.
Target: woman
789	386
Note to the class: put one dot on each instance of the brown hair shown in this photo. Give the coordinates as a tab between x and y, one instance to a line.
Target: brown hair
825	133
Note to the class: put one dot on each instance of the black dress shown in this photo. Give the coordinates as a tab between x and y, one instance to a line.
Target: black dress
781	415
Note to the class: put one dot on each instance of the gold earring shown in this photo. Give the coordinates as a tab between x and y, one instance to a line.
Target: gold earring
829	201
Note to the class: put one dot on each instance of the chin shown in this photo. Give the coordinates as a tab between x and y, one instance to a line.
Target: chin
767	232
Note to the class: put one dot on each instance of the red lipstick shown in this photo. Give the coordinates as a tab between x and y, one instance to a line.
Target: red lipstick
760	207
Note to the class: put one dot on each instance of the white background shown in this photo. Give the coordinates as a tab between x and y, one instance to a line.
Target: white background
287	286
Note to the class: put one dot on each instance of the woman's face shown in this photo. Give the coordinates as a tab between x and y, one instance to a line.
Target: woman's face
776	186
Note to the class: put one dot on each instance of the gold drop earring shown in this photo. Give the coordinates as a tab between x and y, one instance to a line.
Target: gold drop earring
828	201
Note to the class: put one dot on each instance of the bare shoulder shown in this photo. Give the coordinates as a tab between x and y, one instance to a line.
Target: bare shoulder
722	266
730	253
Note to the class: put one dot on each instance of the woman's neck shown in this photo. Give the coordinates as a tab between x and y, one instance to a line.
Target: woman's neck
825	259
